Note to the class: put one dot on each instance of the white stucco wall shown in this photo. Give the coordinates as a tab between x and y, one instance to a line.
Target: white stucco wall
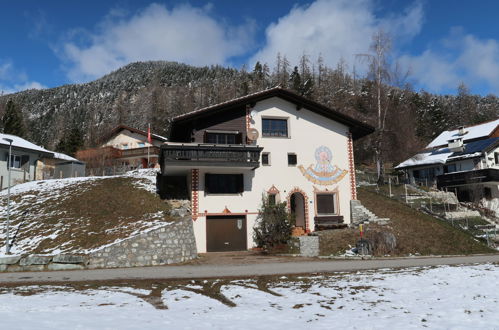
307	132
130	138
18	175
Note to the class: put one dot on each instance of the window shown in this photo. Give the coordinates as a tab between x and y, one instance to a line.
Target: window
17	161
266	158
326	204
224	183
450	168
125	145
141	144
496	157
292	160
222	138
272	199
275	127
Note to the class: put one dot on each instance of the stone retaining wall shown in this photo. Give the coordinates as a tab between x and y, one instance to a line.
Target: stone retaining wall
173	243
40	263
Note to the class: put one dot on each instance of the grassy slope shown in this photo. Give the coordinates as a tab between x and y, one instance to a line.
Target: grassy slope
78	216
417	232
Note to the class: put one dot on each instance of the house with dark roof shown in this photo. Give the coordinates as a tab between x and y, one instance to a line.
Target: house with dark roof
273	143
464	160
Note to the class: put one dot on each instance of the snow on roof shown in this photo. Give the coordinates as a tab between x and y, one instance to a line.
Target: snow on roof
61	156
472	132
18	142
444	155
438	156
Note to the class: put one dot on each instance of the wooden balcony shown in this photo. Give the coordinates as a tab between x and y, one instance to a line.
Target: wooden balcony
209	155
468	177
139	152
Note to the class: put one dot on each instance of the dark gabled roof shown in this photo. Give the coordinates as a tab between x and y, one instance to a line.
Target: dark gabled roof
357	128
119	128
476	147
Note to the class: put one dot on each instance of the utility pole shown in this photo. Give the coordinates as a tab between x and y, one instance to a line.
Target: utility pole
9	166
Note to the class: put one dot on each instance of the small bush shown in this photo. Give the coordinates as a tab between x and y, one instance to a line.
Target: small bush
274	225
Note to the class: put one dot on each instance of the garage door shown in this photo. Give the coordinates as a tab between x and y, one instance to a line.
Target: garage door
226	233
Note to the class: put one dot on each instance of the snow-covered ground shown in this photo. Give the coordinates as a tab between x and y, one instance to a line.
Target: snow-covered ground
42	199
447	297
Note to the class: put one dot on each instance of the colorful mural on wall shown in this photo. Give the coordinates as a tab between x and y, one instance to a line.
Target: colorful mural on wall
323	172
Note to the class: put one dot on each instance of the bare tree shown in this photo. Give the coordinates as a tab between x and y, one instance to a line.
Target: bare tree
379	71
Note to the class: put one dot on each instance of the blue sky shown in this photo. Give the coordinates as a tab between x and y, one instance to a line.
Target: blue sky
442	43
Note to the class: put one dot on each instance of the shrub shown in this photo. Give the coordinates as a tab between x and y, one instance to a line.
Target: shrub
273	226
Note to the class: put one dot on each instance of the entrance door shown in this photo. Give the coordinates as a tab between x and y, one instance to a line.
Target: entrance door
298	209
226	233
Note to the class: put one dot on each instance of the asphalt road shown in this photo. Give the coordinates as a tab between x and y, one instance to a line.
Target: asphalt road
237	270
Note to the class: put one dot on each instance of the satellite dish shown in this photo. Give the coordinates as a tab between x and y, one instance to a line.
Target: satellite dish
252	134
253	114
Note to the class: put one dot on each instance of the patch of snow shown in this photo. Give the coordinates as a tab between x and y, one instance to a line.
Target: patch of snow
37	193
446	297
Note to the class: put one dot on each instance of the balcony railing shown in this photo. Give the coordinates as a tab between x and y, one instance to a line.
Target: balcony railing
210	155
468	177
143	151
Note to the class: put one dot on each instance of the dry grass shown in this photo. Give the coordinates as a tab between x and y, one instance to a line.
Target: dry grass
417	232
85	215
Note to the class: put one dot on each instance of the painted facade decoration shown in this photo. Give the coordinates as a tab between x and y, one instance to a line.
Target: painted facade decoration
323	173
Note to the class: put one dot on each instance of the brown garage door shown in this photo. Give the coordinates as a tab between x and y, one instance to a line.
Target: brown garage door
226	233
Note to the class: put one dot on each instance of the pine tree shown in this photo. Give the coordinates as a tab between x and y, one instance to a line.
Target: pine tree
71	141
295	80
12	120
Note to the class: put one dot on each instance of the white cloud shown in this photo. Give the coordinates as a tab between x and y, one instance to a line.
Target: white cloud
337	29
13	80
184	33
460	58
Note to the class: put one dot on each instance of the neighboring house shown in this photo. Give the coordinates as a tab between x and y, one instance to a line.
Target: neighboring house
25	156
31	162
126	147
464	160
274	143
59	166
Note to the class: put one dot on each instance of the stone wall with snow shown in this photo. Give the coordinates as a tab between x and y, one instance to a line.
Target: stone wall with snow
170	244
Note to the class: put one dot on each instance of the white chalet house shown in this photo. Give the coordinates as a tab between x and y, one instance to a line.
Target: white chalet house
276	143
464	160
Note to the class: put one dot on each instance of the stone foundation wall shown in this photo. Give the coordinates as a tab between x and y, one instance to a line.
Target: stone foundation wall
40	263
173	243
170	244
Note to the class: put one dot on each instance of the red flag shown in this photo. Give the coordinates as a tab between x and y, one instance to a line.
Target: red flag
149	139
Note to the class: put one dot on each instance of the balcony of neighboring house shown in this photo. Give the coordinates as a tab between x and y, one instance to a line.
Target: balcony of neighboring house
211	155
455	179
138	152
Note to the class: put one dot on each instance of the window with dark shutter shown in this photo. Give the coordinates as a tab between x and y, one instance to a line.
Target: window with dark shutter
292	160
224	183
326	204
